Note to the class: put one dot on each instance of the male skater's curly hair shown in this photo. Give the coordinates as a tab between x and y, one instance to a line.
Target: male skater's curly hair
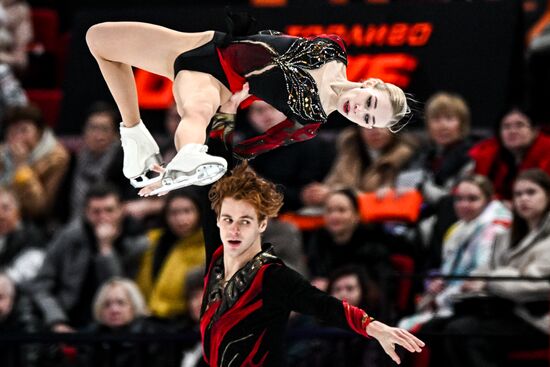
245	184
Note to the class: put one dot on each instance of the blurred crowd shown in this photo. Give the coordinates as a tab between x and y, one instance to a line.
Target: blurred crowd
81	253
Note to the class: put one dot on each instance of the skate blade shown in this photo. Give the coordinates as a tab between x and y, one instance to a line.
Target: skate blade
203	175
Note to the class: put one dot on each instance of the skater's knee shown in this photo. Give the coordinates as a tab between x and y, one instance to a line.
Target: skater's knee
97	35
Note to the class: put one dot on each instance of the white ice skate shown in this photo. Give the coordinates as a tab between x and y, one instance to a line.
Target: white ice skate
191	166
141	152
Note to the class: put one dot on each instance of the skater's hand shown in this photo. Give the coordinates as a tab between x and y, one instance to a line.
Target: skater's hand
389	337
235	100
146	191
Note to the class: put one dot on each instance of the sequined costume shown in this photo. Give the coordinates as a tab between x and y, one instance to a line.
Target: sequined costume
275	66
243	321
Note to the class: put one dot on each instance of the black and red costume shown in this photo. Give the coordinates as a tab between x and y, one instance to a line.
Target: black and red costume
275	66
244	320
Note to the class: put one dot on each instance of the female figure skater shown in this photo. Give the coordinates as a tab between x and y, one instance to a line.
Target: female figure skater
305	78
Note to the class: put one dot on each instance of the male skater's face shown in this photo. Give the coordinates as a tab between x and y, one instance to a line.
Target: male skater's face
240	229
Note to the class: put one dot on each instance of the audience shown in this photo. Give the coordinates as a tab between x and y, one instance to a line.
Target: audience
100	143
119	309
32	161
493	311
517	146
101	244
367	160
175	247
16	317
21	244
344	240
467	247
16	33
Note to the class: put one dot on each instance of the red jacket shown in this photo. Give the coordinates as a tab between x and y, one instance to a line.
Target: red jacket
488	152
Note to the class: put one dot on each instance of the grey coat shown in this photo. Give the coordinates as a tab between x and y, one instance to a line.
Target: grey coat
58	283
531	257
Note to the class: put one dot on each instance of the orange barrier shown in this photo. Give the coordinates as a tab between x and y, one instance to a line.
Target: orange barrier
303	222
403	207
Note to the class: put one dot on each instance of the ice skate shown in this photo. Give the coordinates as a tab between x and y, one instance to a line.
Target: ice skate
191	166
141	152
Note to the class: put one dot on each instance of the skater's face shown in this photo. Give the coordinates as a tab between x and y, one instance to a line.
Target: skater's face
469	201
347	288
444	129
340	214
264	116
367	107
9	213
99	132
116	309
240	229
516	131
530	200
182	216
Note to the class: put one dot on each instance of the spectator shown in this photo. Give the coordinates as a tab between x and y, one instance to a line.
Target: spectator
468	245
346	241
176	247
303	163
509	307
93	159
11	92
348	283
517	146
437	168
15	33
119	308
445	160
15	317
101	244
194	284
32	161
21	253
367	160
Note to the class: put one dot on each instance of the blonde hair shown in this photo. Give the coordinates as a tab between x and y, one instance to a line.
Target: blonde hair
398	101
449	104
132	291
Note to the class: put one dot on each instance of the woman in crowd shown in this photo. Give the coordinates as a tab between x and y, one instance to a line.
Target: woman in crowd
367	160
344	240
176	247
119	308
517	146
32	161
499	309
467	246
